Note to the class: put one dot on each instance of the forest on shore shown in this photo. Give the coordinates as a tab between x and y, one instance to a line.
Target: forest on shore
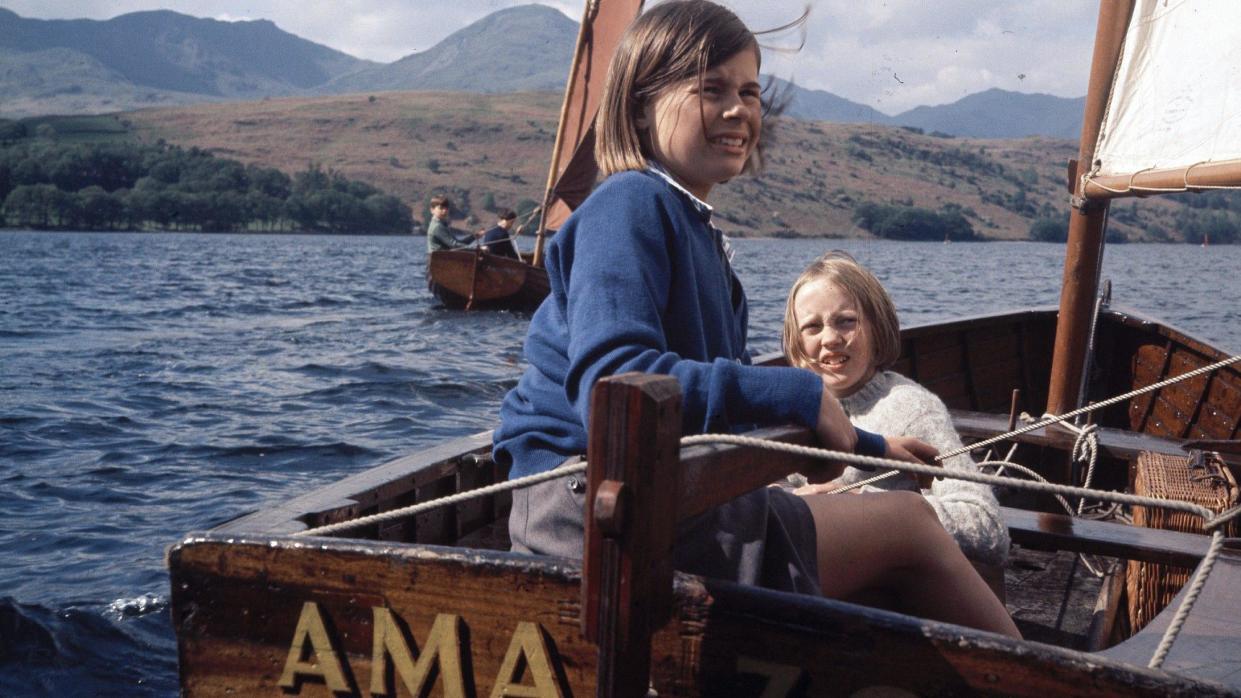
49	184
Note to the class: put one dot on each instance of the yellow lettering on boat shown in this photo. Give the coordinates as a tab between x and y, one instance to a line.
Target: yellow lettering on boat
442	648
781	678
299	665
528	644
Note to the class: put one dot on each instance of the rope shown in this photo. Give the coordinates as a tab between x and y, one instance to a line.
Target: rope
897	466
1086	444
1082	410
935	471
1211	521
516	483
1182	612
863	483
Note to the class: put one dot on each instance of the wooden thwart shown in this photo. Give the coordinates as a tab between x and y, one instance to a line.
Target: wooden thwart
1046	531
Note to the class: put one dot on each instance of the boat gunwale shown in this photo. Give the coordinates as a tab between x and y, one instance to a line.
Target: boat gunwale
724	600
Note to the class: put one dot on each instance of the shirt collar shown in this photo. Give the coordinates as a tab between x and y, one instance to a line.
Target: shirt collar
703	208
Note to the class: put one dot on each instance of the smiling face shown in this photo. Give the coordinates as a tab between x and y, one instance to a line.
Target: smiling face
833	335
704	134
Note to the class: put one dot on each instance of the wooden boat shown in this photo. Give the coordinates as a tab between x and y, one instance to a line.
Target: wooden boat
476	280
471	279
257	608
434	602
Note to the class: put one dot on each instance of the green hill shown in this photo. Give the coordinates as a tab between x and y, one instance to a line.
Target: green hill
493	150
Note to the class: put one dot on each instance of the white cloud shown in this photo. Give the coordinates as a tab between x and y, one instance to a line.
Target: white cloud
890	54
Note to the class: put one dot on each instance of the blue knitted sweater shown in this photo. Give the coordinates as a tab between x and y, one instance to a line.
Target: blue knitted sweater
639	282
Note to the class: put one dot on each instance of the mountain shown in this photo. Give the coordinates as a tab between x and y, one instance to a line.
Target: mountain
518	49
818	105
164	58
999	113
157	57
994	113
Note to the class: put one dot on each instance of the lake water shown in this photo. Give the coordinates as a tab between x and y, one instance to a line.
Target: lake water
156	384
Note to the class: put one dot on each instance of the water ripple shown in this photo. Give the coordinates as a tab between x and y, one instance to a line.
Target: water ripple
183	380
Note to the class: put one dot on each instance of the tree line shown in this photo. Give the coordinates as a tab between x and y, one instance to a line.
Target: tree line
905	222
47	184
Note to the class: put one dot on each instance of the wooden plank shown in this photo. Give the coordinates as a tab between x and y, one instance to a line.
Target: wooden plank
437	526
1116	443
1150	365
1165	418
1045	531
940	361
714	474
400	475
632	490
951	389
994	384
1222	413
236	604
1209	644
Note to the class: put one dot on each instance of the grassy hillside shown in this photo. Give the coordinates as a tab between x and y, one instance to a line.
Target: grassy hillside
496	147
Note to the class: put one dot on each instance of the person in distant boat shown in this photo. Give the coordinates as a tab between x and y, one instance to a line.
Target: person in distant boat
440	234
840	323
641	281
498	240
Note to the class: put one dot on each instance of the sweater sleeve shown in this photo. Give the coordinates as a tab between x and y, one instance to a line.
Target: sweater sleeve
969	511
618	269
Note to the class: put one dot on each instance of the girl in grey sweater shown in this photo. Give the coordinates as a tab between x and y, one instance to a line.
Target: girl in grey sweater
840	322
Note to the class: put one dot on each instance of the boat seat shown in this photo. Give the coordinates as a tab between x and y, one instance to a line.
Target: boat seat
1117	443
1209	644
1047	531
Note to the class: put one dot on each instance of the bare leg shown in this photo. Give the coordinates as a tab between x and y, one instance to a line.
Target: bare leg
894	541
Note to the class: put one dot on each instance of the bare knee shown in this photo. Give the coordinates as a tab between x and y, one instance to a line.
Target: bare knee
914	505
919	524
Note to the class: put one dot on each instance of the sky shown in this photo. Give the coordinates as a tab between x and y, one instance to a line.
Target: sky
892	55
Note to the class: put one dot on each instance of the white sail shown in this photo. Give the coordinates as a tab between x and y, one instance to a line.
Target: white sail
1176	99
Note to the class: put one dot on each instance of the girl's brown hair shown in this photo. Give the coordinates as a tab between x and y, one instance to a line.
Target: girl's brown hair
874	304
672	42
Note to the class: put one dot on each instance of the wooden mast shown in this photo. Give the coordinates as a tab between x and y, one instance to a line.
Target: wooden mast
1084	251
553	172
571	174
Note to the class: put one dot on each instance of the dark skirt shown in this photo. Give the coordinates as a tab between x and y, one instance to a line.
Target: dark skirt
763	538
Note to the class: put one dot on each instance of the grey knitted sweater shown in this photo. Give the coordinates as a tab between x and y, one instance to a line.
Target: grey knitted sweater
894	405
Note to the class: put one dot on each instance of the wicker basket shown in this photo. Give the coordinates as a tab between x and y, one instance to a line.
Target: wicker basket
1200	478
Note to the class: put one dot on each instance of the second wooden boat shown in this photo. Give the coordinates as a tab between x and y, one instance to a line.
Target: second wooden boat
472	279
486	281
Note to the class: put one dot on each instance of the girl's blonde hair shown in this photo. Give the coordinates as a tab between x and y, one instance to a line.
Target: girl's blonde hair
672	42
874	304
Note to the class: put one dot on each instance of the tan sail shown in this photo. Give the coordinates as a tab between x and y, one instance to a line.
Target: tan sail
572	172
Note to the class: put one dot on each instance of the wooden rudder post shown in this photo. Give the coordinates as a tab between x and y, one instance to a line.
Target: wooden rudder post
631	509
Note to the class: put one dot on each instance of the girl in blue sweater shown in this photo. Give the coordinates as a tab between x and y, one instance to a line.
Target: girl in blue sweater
641	281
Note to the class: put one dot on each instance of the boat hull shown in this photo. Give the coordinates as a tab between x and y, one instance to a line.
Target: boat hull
475	280
241	594
326	617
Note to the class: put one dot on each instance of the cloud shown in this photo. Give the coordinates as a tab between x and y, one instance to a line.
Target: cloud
890	54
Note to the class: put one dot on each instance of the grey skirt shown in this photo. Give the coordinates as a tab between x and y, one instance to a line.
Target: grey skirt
763	538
